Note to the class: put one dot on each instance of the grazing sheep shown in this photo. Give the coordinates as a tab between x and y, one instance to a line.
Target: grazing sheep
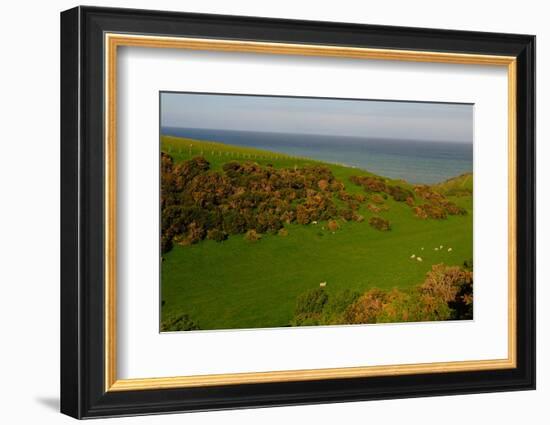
323	284
436	249
422	248
313	222
419	259
440	246
412	256
449	250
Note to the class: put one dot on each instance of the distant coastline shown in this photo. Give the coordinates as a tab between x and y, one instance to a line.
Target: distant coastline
417	162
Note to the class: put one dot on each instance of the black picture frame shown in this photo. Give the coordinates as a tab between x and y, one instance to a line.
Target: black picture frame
83	392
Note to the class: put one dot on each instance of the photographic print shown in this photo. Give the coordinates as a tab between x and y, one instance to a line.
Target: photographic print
281	211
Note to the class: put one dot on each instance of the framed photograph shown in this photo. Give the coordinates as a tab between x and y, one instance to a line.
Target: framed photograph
261	212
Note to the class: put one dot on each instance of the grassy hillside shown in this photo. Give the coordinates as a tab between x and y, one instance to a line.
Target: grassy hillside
238	284
462	185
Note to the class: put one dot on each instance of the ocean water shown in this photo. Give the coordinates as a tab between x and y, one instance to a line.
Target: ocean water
412	160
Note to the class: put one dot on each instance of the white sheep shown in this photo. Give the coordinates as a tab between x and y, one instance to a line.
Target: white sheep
449	250
313	222
422	248
440	246
323	284
419	259
436	249
412	256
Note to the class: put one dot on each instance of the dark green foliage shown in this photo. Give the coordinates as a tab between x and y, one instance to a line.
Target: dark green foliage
462	306
165	243
216	235
337	305
400	194
181	322
252	236
311	302
347	214
234	223
380	223
317	307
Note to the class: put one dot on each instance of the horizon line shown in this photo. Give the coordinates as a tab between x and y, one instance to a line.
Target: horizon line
462	142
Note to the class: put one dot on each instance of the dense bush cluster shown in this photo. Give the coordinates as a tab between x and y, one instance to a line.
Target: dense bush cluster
377	184
446	294
199	203
435	205
316	307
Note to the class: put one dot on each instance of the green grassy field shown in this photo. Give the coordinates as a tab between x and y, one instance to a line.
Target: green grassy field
238	284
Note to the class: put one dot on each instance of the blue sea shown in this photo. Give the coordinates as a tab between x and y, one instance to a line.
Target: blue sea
412	160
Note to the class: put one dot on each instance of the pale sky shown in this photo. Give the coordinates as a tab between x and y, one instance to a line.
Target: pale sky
442	122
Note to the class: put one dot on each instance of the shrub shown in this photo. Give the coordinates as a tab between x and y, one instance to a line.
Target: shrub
452	285
377	199
311	302
233	222
282	232
454	209
358	218
195	233
446	294
399	194
353	205
323	184
344	196
359	197
337	304
367	307
165	243
380	223
216	235
181	322
336	186
346	214
373	208
187	170
370	184
333	225
252	236
304	214
231	168
420	213
434	211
